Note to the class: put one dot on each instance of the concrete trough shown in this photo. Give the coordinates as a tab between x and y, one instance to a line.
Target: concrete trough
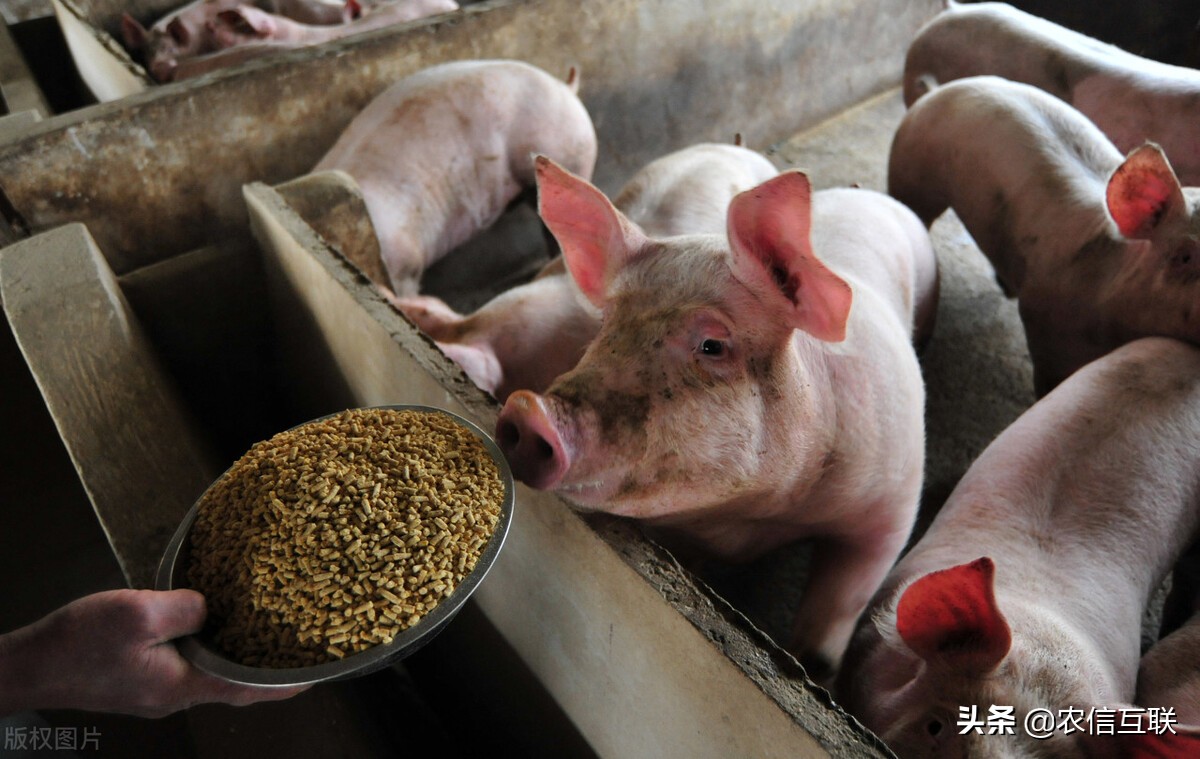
159	172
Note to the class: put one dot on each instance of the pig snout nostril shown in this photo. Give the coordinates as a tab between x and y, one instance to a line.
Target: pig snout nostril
531	442
508	435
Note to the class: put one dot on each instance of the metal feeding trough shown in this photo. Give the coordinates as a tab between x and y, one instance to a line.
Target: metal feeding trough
201	651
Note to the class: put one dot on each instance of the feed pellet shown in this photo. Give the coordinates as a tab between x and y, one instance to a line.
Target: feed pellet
335	536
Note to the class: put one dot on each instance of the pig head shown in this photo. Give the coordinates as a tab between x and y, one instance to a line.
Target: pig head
177	36
741	392
528	335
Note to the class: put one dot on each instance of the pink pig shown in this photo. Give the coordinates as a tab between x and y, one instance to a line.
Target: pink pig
1169	674
1132	99
1098	250
440	154
1028	589
745	390
247	24
188	31
527	336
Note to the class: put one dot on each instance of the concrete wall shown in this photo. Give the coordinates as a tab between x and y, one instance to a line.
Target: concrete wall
160	172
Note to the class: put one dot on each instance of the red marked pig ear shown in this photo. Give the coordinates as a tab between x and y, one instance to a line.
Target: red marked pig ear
594	236
951	616
769	228
133	32
1144	191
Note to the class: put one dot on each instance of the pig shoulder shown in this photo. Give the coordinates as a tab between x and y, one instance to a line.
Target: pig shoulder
501	109
881	251
876	243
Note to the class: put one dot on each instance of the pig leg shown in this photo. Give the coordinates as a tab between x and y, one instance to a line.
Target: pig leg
845	572
431	315
1169	674
448	328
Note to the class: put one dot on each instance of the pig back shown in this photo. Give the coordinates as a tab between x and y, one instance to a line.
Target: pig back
995	38
1019	167
441	153
688	192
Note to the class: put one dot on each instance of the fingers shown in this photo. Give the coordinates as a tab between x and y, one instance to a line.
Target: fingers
205	688
173	613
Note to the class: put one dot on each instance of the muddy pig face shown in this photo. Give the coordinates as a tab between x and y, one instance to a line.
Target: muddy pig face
692	395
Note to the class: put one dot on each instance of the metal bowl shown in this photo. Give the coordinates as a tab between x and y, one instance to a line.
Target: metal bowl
172	573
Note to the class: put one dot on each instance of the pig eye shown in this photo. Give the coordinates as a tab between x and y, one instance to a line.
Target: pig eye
934	727
1186	255
712	347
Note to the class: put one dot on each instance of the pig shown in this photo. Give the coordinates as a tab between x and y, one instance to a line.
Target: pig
1169	673
247	24
188	31
1098	249
1028	588
1132	99
527	336
440	154
746	389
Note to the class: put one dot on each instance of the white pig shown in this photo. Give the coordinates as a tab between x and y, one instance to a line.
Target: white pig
527	336
746	389
1028	589
440	154
187	32
1098	249
1132	99
1169	674
246	24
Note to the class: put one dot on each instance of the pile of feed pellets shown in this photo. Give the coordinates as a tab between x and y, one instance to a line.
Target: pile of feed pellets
335	536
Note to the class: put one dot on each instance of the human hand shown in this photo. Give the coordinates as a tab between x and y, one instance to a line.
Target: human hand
112	652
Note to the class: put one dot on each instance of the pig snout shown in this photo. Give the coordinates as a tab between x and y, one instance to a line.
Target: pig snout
531	441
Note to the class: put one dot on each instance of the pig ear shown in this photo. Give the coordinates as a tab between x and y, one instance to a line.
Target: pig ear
179	31
594	236
246	20
133	32
951	616
769	228
1144	191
